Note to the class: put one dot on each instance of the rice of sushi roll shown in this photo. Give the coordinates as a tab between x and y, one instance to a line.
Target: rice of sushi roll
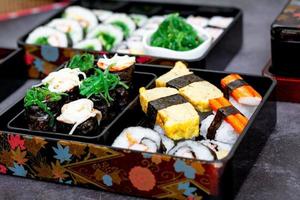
41	107
221	149
47	36
138	138
68	26
107	34
122	21
220	22
84	16
89	44
79	116
102	14
121	65
214	32
197	21
168	144
194	150
139	19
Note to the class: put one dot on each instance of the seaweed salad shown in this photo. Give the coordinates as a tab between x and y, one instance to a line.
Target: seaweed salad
176	34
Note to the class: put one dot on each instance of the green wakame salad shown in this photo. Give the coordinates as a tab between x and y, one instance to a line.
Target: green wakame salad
176	34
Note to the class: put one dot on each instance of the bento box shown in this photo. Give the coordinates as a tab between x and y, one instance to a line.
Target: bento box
285	41
219	27
92	162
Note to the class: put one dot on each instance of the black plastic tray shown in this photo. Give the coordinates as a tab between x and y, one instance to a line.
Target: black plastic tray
216	57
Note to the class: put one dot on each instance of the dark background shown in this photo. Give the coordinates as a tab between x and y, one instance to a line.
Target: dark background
276	175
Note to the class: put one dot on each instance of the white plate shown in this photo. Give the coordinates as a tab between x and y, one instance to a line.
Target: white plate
185	55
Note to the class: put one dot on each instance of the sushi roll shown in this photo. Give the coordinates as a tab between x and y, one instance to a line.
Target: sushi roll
47	36
107	91
167	143
241	94
220	22
220	149
166	108
79	116
89	44
123	22
197	21
121	65
214	32
140	139
194	89
107	34
102	14
86	18
41	107
68	26
138	19
194	150
226	125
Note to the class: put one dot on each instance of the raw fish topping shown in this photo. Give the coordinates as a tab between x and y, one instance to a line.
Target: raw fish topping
116	63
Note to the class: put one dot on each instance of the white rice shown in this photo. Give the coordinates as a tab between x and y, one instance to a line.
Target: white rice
102	14
225	133
146	139
189	149
124	19
69	26
244	109
197	21
167	142
221	149
139	19
84	16
95	43
221	22
55	38
214	32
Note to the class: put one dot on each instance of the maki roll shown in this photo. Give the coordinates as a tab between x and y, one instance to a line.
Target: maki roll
89	44
65	80
47	36
68	26
194	89
123	22
107	91
79	116
220	22
226	125
138	138
107	34
41	107
84	16
166	108
138	19
221	149
123	66
102	14
241	94
194	150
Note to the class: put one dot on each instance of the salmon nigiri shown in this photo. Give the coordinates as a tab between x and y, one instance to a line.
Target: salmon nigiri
241	91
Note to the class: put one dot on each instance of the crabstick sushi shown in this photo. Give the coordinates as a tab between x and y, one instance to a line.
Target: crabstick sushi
79	115
138	138
220	22
122	21
193	88
70	27
194	150
107	34
166	108
84	16
235	86
47	36
89	44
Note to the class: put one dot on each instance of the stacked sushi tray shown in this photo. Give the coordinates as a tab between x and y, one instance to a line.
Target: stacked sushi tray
205	35
109	123
284	64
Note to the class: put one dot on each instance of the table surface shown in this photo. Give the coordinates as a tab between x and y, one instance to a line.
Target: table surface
276	174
